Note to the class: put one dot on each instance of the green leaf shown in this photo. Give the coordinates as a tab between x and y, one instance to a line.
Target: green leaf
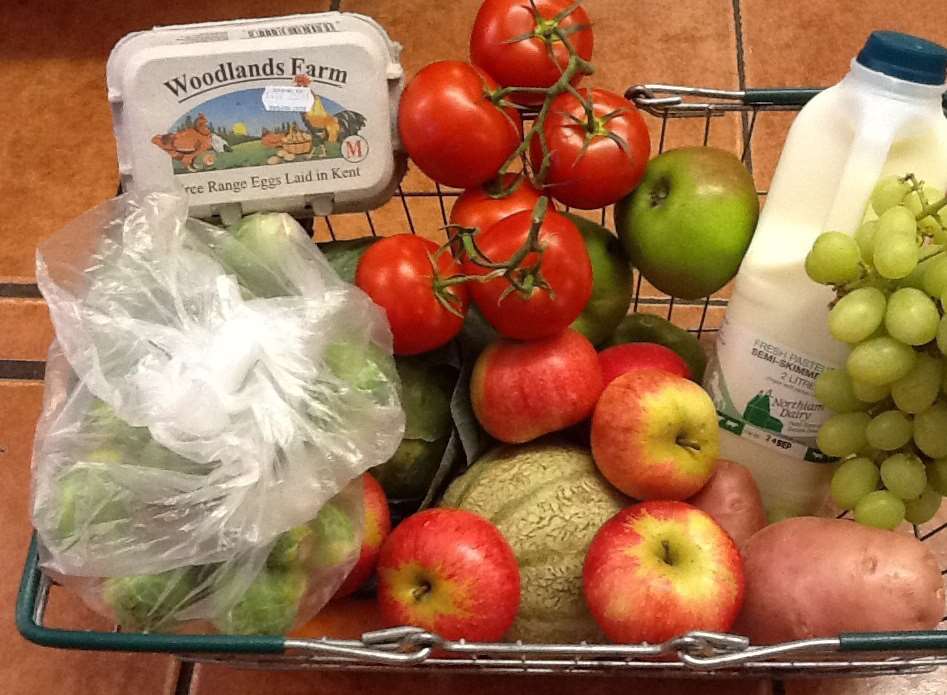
344	256
425	398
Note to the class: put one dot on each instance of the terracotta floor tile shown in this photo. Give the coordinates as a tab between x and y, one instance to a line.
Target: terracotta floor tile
25	330
810	43
26	669
212	679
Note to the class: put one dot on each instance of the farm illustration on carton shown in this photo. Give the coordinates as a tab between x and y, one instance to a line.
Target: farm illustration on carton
238	130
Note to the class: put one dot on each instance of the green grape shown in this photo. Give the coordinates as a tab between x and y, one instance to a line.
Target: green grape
833	389
834	259
880	361
865	238
916	391
889	430
913	202
930	430
911	317
923	508
895	223
904	476
935	276
888	192
942	335
870	393
857	315
881	509
843	434
896	258
936	229
852	480
915	278
937	475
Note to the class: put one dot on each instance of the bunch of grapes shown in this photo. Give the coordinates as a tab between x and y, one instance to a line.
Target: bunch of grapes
889	426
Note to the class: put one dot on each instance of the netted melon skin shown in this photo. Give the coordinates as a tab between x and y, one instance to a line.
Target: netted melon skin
548	500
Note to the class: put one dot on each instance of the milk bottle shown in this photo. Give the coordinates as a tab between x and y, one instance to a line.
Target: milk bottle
884	117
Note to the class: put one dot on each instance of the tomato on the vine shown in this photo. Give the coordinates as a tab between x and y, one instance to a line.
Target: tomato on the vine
563	265
451	127
478	208
513	45
595	164
398	274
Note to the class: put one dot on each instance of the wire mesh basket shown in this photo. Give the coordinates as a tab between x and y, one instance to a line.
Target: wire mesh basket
678	116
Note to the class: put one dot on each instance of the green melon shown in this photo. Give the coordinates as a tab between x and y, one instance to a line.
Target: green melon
548	501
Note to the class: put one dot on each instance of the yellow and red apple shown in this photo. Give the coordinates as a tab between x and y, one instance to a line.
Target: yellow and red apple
376	524
449	571
522	390
654	435
659	569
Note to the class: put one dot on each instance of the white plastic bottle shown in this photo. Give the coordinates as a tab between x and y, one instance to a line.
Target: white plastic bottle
884	117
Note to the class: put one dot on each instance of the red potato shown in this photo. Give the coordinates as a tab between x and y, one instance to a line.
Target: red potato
732	498
813	577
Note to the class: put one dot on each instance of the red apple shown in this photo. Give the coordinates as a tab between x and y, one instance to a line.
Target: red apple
451	572
619	359
523	390
376	525
654	435
659	569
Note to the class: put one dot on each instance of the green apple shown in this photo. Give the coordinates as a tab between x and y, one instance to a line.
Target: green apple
689	223
612	286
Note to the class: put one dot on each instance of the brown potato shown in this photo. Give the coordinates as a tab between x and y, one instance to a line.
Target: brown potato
812	577
733	500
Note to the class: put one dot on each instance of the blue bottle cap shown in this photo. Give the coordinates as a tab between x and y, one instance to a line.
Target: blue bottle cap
904	56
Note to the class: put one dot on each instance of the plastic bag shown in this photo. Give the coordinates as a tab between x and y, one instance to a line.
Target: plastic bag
210	397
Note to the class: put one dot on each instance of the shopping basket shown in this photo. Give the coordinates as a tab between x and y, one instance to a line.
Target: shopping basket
680	116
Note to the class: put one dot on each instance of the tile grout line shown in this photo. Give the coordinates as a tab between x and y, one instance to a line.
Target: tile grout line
22	370
185	679
19	290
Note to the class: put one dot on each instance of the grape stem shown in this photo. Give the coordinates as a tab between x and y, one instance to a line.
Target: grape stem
927	209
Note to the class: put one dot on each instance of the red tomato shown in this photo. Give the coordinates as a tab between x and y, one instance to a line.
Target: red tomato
396	272
565	267
605	171
526	63
450	127
477	209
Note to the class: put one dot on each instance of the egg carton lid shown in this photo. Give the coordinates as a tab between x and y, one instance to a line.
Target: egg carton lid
294	113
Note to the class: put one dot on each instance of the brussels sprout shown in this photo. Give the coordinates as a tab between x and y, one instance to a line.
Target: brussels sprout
269	605
254	253
362	366
335	537
86	496
153	455
100	420
293	549
150	602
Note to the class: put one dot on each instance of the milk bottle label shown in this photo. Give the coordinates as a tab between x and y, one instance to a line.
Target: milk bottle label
767	394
